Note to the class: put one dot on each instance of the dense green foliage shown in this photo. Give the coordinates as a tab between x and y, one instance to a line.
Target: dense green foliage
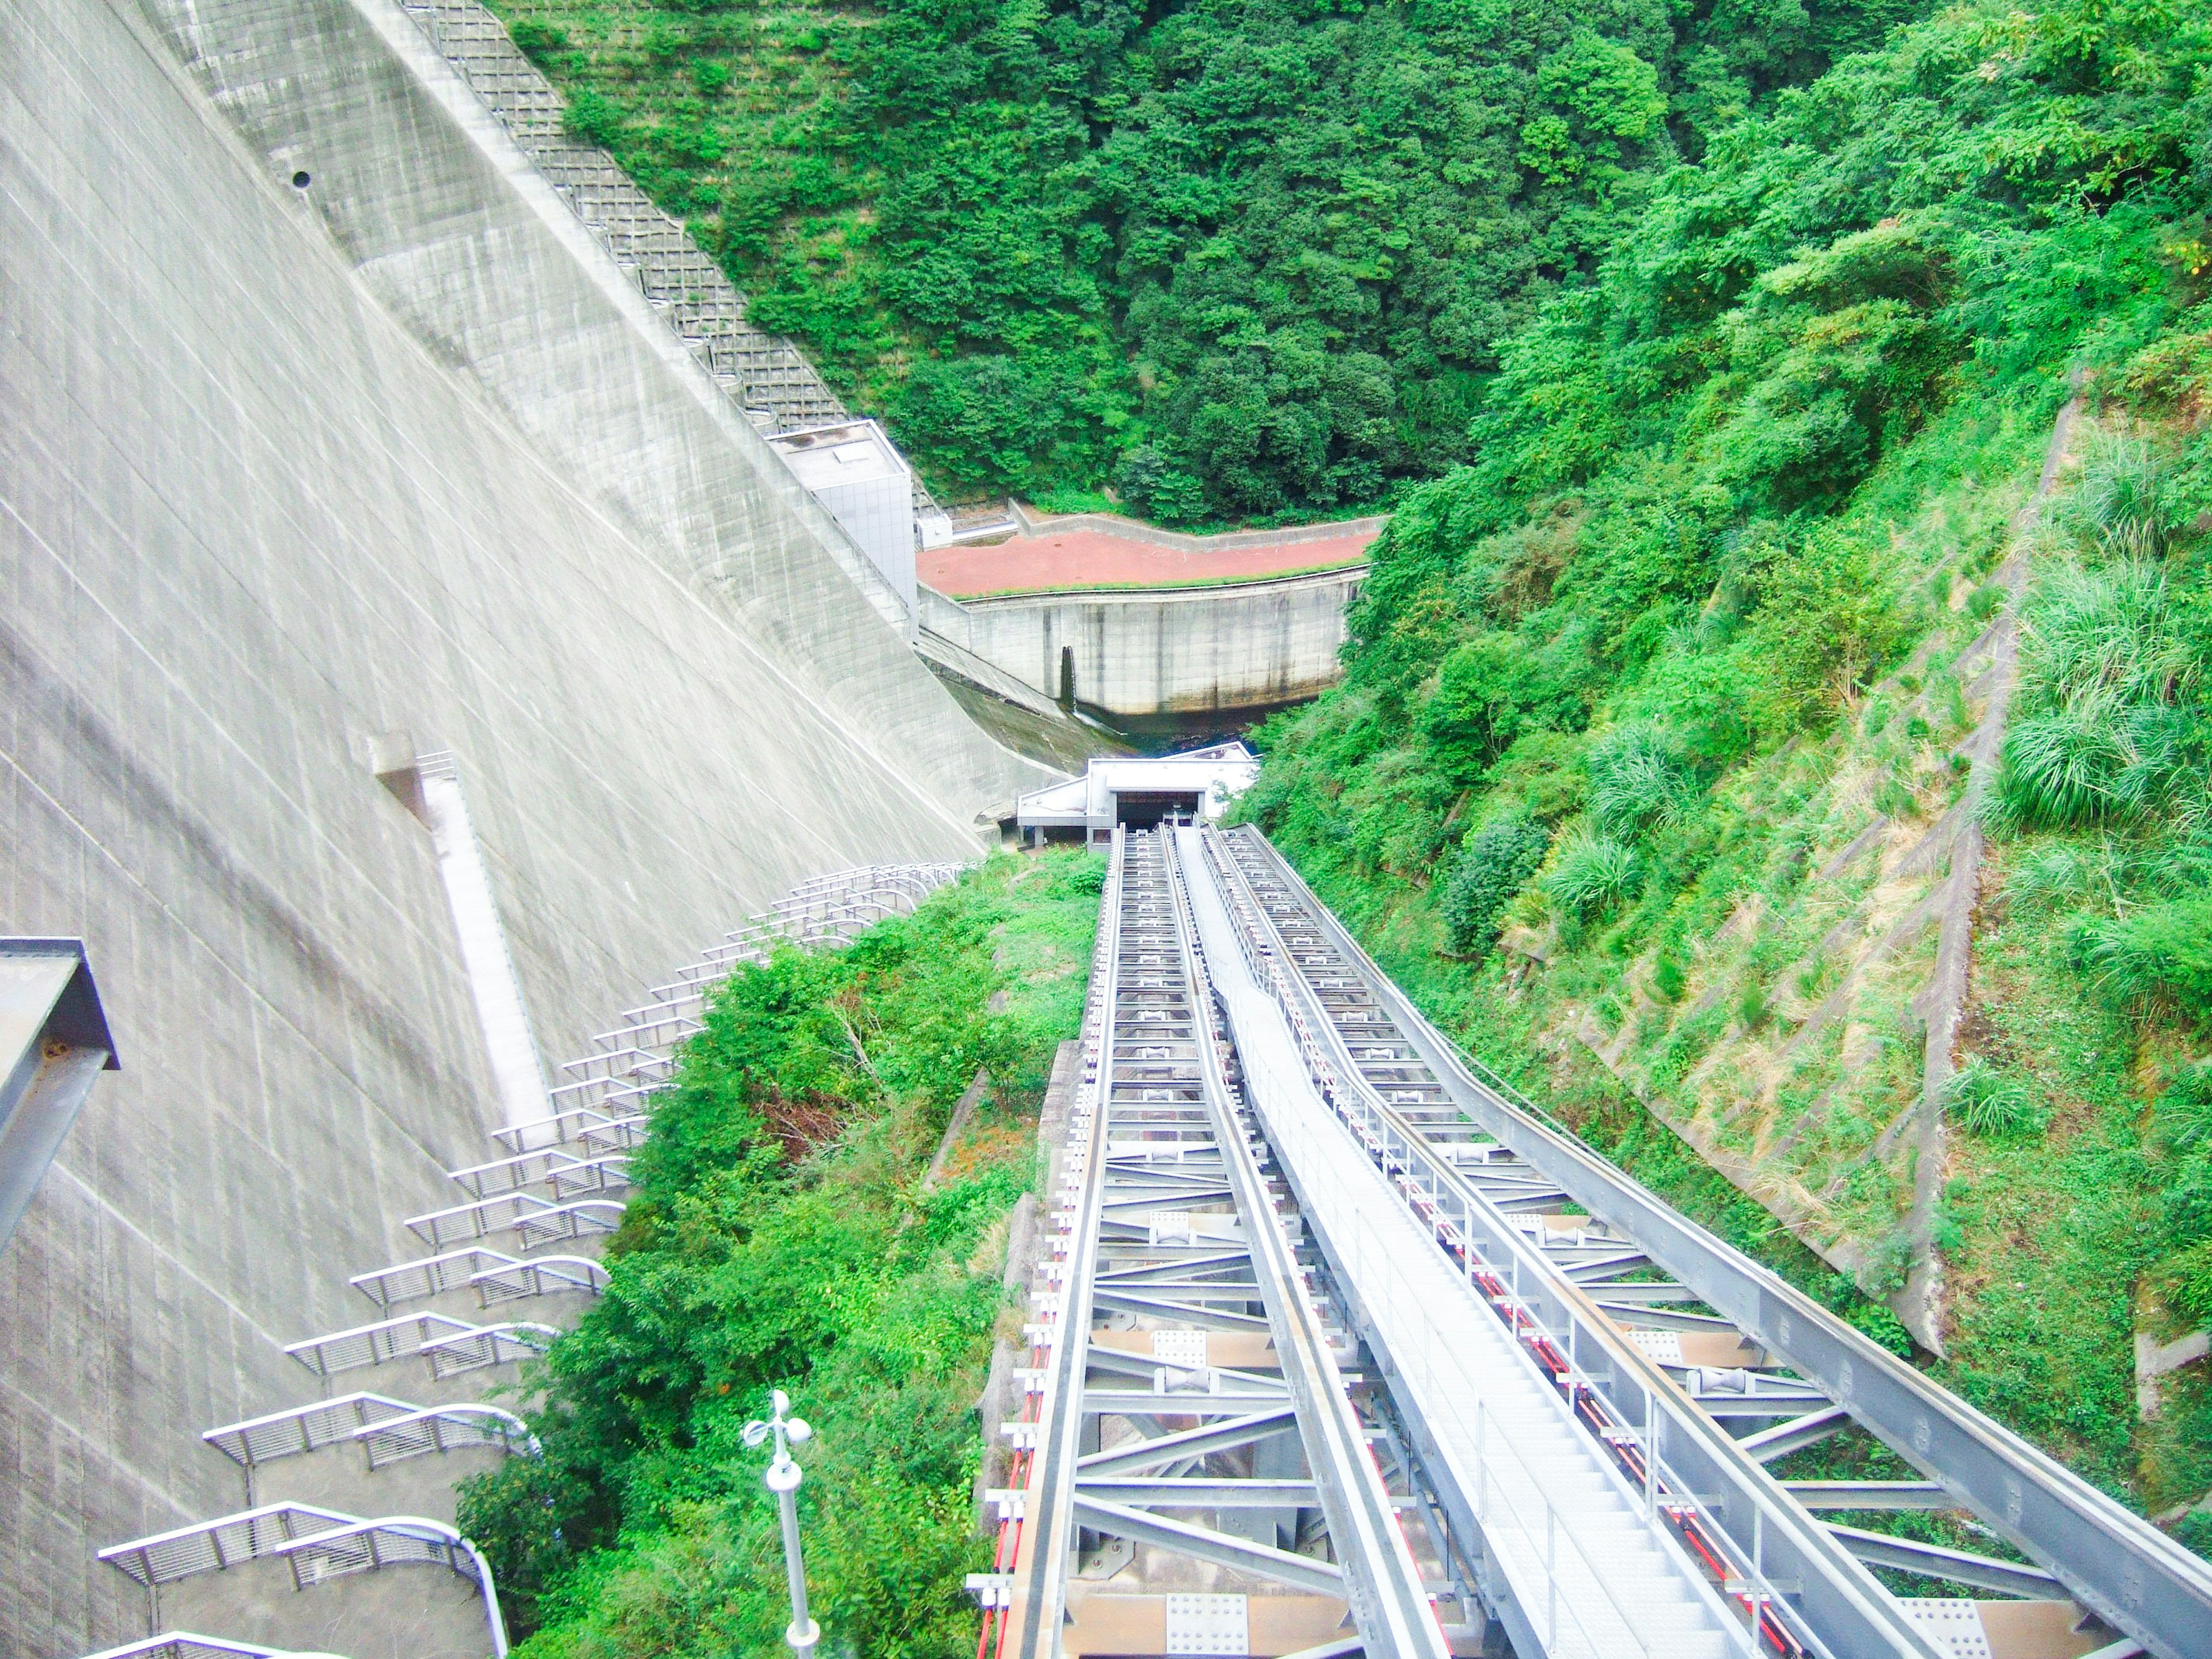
1236	258
778	1234
1735	505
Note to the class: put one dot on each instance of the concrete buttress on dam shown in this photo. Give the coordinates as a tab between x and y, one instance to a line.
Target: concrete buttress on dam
294	478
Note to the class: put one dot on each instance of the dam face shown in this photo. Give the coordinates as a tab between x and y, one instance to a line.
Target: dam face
298	481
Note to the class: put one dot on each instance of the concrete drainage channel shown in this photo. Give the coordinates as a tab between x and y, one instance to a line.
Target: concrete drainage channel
343	1492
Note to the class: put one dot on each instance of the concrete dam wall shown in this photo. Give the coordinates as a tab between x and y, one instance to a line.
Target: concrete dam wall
1251	645
295	481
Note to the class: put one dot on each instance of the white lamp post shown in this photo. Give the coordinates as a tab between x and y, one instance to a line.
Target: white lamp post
782	1479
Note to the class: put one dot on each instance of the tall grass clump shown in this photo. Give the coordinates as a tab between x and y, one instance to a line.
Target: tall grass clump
2157	954
1985	1100
1593	875
2119	502
2113	729
1638	782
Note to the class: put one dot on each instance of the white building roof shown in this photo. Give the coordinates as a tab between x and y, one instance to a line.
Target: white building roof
831	457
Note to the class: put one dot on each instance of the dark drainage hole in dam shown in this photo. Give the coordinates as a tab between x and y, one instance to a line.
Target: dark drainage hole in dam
301	180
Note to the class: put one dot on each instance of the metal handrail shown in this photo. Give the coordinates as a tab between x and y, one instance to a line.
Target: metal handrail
187	1644
493	1274
302	1429
2112	1561
1493	1249
318	1544
537	1220
449	1346
443	1429
428	1275
543	1166
375	1421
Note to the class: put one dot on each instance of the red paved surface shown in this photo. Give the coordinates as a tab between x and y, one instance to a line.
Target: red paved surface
1087	558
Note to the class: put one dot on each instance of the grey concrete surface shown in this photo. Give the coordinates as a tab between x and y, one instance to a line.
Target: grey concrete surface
420	1612
339	1478
284	472
1163	651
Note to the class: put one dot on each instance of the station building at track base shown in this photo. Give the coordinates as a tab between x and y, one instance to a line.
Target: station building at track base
1194	786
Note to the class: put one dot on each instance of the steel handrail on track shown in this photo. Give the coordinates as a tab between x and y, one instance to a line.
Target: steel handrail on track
1292	1124
1045	1542
1612	1387
1389	1601
2112	1561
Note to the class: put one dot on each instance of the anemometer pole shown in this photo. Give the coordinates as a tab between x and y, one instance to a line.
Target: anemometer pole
782	1479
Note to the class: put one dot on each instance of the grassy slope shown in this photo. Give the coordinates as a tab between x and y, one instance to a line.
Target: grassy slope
778	1235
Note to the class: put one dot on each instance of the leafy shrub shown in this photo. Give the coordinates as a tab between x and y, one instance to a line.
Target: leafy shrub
2159	953
1883	1325
1987	1102
1497	862
593	117
1828	618
2194	1532
537	40
1668	977
1591	876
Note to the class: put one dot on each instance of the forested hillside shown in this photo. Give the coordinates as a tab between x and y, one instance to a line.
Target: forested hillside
1232	259
1674	724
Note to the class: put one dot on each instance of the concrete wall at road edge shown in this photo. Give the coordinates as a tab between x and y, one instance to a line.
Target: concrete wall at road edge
284	472
1164	650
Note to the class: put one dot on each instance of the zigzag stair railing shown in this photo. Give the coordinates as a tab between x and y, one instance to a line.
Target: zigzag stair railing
825	909
318	1544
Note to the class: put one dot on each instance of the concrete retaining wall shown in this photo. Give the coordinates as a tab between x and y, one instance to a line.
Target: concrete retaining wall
283	472
1252	645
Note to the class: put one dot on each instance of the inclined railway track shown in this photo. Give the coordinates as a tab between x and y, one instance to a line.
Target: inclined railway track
1194	1474
1341	1348
1753	1370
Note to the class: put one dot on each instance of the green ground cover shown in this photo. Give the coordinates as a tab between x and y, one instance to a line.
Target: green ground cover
1646	708
778	1235
1232	259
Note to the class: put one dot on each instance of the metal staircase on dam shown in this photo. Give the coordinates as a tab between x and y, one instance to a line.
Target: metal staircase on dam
1338	1345
308	1472
775	385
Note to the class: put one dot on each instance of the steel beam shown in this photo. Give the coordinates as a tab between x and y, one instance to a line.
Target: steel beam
1196	1493
1189	1443
1959	1566
1139	1526
53	1042
1870	1494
